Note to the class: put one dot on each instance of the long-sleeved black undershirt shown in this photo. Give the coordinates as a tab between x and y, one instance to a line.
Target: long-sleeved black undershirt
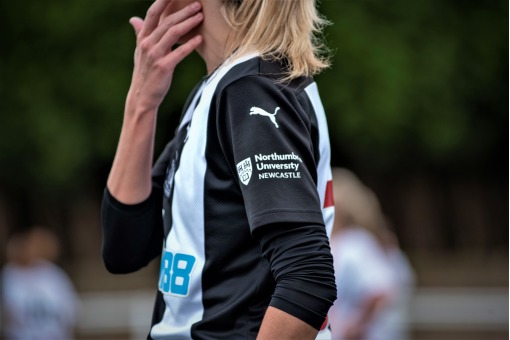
299	255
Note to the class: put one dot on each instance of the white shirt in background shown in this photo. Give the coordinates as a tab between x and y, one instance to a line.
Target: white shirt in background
39	302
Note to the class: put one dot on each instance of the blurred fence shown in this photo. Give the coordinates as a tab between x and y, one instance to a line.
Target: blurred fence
435	313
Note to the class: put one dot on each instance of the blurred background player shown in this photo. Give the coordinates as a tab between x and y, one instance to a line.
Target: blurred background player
38	299
374	278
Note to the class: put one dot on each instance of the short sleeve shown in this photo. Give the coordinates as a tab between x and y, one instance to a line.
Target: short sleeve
265	135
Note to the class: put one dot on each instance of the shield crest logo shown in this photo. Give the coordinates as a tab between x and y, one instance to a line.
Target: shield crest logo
244	170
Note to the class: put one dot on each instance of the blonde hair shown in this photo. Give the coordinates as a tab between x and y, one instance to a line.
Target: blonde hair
280	30
356	204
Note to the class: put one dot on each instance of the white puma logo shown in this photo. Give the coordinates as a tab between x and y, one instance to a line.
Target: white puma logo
258	111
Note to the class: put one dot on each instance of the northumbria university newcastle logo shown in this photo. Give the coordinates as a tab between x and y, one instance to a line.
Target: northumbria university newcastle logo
244	170
258	111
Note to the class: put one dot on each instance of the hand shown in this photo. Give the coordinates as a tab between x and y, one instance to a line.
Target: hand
155	61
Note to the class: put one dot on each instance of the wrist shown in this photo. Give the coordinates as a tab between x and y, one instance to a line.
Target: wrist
136	106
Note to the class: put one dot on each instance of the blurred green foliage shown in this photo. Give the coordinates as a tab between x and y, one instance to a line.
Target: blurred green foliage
421	82
417	83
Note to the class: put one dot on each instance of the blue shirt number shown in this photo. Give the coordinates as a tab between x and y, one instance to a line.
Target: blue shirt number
174	273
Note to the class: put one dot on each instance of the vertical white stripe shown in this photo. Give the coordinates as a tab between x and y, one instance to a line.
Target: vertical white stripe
187	233
323	170
324	166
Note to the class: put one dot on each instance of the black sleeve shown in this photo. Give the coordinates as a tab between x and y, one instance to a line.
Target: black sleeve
266	139
302	265
133	234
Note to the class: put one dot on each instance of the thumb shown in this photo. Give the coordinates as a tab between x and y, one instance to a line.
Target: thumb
137	24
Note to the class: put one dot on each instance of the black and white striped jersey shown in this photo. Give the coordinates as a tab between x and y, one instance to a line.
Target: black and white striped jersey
242	203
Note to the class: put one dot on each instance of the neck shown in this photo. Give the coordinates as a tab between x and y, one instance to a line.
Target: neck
216	35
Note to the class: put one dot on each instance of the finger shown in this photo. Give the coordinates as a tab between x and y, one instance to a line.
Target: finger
182	13
174	33
181	52
174	19
152	17
137	24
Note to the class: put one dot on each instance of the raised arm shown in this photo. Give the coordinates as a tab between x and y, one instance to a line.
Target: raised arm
154	63
131	210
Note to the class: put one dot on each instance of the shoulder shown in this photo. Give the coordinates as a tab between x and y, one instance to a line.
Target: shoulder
257	73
